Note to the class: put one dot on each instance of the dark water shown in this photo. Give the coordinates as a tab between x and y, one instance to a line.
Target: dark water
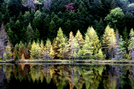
46	76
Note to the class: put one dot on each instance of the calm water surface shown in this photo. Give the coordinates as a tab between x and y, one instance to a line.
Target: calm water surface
46	76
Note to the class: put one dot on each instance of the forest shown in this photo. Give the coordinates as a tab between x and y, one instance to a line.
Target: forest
64	29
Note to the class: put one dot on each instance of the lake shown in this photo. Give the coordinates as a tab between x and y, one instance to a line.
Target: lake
62	76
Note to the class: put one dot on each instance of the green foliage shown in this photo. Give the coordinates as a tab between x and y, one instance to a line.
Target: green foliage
131	41
36	34
100	55
45	23
29	33
80	53
121	45
37	14
87	47
116	15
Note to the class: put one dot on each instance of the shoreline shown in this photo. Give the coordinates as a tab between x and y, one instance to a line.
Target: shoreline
71	61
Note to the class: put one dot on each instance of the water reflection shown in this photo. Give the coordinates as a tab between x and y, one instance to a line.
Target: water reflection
66	76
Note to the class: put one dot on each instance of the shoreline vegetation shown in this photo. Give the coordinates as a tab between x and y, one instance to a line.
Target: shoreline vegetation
57	61
66	30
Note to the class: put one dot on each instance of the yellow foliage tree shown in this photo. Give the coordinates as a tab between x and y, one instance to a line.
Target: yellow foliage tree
34	50
100	54
41	51
51	55
112	44
47	48
109	40
59	44
9	51
79	38
69	48
87	47
94	39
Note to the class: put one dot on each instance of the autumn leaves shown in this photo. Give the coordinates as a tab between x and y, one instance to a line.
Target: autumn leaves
73	48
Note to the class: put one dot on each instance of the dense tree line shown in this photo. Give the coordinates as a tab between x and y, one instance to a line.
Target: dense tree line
29	20
88	46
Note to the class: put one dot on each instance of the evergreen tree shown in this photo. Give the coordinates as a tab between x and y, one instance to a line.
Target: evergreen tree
131	43
27	18
36	34
126	38
37	14
52	27
121	46
15	6
10	34
59	44
29	33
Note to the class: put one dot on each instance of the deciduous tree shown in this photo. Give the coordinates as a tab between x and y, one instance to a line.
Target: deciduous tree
94	39
34	50
59	44
79	38
3	40
109	40
100	54
87	47
8	50
47	49
112	45
115	17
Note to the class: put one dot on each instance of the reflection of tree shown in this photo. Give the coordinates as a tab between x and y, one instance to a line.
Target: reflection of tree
80	77
34	74
92	77
58	77
5	74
